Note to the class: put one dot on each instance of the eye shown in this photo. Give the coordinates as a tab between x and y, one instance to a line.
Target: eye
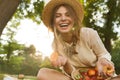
68	14
57	15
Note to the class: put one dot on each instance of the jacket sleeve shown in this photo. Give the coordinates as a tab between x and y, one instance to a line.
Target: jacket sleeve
97	45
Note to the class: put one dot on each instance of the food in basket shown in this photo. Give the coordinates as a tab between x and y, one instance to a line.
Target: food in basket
91	74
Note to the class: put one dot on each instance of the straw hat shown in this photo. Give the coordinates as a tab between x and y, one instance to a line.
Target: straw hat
47	12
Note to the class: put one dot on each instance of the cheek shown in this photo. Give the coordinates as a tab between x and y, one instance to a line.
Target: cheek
56	22
72	20
72	23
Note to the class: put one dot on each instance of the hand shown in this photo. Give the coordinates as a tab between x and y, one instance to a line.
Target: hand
59	61
105	68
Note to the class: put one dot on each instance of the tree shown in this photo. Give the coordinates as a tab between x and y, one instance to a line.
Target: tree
30	50
116	55
8	44
31	9
14	65
7	9
20	9
112	18
30	65
103	15
46	63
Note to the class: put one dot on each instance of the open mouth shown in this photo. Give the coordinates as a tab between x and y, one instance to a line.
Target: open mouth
64	25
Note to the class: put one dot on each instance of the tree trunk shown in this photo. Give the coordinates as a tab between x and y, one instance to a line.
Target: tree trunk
109	25
7	9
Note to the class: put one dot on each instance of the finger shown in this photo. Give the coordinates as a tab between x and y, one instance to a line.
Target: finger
100	69
105	74
56	63
59	62
62	61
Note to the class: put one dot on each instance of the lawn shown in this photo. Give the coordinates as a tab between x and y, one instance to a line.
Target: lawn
16	76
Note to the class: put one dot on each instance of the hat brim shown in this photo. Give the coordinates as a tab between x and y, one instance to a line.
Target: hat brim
47	12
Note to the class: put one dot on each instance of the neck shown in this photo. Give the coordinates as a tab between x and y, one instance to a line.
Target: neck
67	37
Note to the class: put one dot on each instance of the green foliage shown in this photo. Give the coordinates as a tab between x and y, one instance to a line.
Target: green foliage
30	50
15	63
30	65
23	63
30	78
1	76
8	43
11	47
100	15
115	8
116	55
31	9
46	63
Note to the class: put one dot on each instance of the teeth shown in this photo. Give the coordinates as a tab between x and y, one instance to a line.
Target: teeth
63	25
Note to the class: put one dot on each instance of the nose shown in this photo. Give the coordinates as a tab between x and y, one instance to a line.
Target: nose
63	17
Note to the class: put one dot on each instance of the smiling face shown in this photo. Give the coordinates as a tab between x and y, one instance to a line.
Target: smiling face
63	20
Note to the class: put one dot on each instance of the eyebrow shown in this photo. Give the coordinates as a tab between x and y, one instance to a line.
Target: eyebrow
59	13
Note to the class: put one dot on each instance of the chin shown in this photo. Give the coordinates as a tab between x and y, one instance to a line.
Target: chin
65	31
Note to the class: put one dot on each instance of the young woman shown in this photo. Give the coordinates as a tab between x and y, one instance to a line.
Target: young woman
77	47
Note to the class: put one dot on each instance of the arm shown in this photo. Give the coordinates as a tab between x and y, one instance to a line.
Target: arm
96	44
104	57
58	61
66	67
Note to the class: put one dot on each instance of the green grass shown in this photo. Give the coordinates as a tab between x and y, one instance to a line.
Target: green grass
30	78
1	76
16	76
